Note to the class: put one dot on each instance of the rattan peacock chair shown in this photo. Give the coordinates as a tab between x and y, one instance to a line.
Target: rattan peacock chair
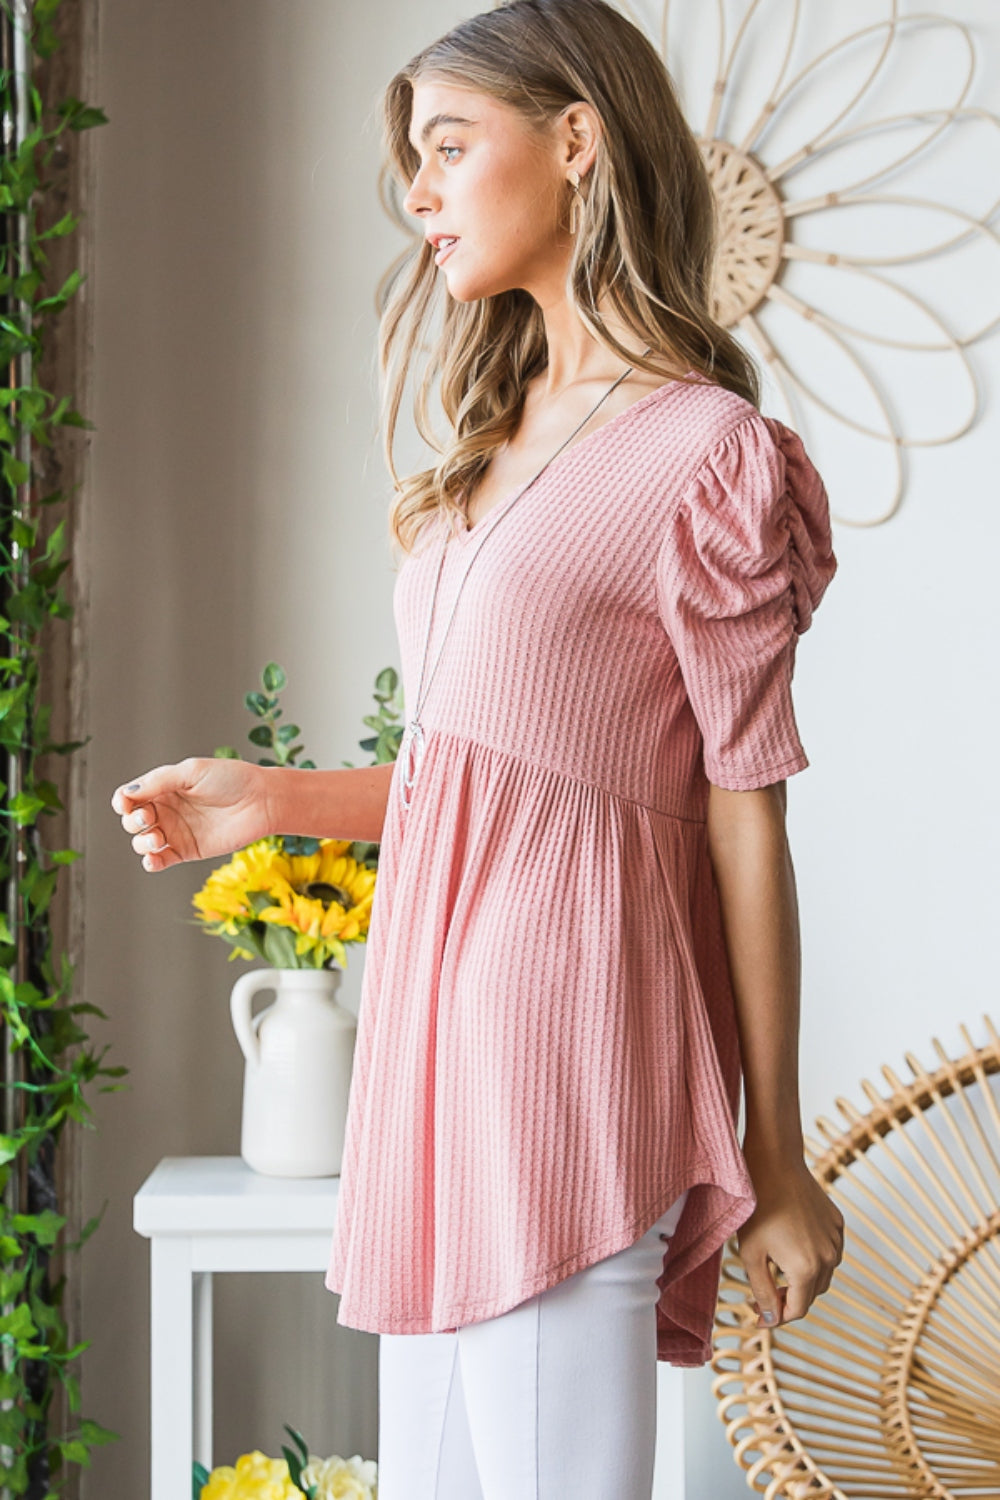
890	1385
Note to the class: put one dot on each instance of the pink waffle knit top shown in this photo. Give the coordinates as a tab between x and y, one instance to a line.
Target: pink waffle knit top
547	1053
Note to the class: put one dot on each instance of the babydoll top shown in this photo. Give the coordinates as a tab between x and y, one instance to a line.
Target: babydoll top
547	1053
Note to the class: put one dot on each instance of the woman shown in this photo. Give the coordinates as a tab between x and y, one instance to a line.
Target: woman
585	934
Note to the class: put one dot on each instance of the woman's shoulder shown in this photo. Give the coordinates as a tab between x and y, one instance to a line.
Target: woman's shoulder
714	410
724	430
678	425
694	405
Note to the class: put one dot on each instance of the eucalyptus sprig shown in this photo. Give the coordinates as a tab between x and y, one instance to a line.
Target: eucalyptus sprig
385	741
269	735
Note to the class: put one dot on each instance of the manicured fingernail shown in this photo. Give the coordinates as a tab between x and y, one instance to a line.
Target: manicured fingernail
133	786
770	1317
145	862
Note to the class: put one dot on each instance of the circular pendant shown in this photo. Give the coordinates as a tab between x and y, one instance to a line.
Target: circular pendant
411	753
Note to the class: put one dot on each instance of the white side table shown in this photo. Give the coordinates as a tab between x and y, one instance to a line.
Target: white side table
204	1214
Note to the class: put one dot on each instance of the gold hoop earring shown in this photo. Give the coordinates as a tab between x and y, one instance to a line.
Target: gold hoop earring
578	200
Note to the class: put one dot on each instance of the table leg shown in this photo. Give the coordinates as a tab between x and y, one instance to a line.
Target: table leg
171	1424
203	1368
669	1481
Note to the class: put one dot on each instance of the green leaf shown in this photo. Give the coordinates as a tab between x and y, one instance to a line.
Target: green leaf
49	793
257	704
386	681
23	533
88	1229
227	752
261	734
260	900
389	741
299	1442
296	843
199	1478
273	678
288	732
65	856
74	419
56	544
279	945
87	118
64	748
14	471
63	226
75	1451
10	1145
93	1433
363	851
27	606
12	326
43	1227
66	291
19	1324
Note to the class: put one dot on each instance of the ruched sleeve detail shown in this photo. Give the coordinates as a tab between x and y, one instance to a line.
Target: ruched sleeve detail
746	559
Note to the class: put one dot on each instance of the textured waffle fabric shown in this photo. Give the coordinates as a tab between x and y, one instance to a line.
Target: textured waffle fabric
547	1053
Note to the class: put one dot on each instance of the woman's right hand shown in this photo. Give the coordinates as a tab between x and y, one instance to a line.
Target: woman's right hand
197	808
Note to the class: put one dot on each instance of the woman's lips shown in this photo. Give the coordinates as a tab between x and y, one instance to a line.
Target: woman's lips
444	252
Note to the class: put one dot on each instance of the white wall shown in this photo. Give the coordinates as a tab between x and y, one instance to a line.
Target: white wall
236	512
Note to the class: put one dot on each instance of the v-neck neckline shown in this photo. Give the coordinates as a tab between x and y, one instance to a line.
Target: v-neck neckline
464	534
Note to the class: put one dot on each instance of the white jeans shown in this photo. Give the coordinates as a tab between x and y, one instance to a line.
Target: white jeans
555	1398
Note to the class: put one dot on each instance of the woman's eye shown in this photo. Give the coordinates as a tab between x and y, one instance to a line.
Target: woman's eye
448	148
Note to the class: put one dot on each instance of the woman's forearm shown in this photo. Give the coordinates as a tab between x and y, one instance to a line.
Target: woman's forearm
753	870
347	804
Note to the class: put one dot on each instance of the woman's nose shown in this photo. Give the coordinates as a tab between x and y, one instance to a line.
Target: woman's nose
419	195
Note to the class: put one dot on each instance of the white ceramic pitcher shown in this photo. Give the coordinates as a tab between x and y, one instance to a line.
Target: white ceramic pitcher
299	1053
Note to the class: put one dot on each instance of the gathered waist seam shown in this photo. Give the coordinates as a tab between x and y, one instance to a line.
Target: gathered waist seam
535	765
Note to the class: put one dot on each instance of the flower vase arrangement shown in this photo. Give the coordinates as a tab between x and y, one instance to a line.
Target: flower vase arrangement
296	903
299	1474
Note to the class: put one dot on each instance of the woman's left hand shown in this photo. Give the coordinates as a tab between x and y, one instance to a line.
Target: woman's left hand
796	1228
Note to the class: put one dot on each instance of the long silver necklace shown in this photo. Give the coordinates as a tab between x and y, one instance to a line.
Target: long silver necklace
411	746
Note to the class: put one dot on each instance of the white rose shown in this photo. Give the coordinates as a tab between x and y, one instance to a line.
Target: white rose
338	1478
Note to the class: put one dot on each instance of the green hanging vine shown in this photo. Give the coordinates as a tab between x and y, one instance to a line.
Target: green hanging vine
47	1063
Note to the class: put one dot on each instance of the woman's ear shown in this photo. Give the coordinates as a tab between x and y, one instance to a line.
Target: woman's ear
580	131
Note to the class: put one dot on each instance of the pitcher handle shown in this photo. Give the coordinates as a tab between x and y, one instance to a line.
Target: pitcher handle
240	1008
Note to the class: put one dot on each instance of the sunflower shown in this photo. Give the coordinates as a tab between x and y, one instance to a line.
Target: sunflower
292	910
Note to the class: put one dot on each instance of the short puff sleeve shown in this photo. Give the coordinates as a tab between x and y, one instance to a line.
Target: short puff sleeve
746	559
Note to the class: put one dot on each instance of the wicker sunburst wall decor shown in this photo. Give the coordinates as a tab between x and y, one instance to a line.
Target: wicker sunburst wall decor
890	1385
760	213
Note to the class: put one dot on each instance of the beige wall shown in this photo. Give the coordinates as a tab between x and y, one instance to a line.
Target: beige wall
235	512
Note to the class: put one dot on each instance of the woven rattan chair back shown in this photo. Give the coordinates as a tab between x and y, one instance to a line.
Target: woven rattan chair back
890	1386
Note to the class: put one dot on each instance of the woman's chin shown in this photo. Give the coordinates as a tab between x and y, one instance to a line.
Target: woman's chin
466	285
462	288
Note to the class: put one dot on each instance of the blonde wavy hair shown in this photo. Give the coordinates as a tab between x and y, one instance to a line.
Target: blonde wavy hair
646	242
